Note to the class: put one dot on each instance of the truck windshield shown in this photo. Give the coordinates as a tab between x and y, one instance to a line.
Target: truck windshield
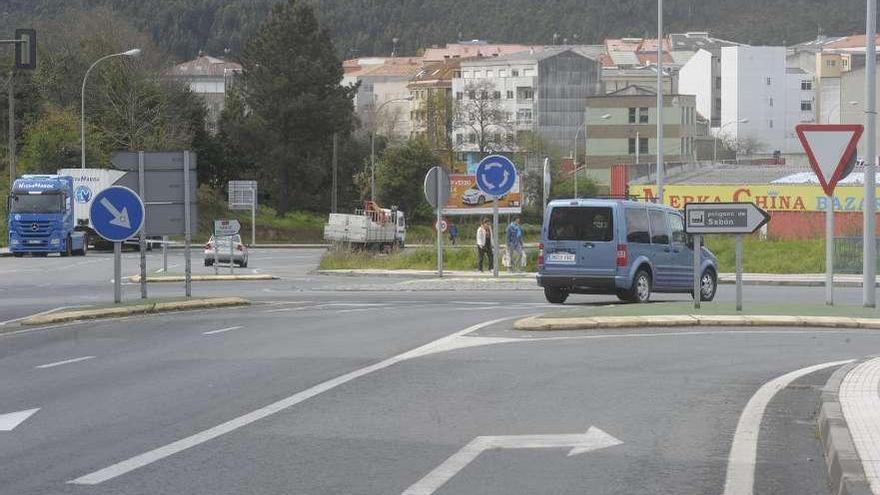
36	203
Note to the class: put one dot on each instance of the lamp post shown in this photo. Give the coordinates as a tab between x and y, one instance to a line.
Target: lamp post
715	141
373	145
134	52
574	154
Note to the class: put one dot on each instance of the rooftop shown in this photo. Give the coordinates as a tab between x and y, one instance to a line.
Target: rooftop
474	48
204	66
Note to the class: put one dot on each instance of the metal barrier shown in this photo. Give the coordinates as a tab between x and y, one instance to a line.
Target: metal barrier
848	254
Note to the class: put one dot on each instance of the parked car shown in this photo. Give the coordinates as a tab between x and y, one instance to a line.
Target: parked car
626	248
474	196
239	251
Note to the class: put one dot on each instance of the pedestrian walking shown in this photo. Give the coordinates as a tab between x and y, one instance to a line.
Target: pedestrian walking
484	244
453	234
515	244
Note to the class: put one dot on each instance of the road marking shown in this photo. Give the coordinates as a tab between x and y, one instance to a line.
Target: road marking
9	421
580	443
160	453
356	310
48	311
483	308
66	361
860	404
744	450
212	332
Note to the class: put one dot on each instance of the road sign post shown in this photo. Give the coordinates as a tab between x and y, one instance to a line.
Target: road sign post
142	238
831	150
496	176
117	214
721	218
437	194
188	232
243	196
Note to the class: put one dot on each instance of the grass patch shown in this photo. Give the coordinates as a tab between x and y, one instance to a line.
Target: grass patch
464	258
770	256
679	308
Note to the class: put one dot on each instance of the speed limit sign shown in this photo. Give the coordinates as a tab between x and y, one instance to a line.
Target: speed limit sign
443	225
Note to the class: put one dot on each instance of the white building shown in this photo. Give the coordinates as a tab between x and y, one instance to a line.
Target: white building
701	74
544	92
382	98
761	100
209	77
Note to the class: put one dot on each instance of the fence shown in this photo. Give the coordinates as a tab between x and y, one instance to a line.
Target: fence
848	254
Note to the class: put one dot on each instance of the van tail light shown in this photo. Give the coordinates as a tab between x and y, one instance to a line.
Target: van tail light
621	255
541	255
239	247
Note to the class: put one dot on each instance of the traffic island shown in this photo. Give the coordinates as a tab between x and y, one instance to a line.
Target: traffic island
709	315
203	278
134	308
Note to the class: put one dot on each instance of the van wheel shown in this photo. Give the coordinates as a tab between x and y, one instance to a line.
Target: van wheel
640	292
623	295
708	285
555	295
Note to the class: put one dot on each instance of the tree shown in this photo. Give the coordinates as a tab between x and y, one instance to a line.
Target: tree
292	85
745	145
53	142
481	113
399	175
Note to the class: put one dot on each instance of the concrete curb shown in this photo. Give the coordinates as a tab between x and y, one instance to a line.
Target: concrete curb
138	309
201	278
844	465
427	274
536	323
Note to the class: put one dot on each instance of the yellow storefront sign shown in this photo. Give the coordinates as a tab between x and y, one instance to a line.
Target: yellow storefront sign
770	197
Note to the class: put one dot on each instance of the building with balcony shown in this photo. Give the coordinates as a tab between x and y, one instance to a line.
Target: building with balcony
209	78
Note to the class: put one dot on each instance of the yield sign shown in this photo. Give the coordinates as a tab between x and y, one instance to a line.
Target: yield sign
830	148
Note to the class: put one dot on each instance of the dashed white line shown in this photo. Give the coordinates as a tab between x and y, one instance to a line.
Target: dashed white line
228	329
66	361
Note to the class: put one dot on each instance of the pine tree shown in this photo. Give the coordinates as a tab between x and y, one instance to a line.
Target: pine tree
291	84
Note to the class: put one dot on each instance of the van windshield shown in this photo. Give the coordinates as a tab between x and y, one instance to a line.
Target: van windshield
581	223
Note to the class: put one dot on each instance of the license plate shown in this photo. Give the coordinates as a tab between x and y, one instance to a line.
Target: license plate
561	258
34	242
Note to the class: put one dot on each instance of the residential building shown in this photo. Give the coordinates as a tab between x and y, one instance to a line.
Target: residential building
701	74
762	101
432	106
615	78
852	97
621	128
541	91
382	98
209	78
474	48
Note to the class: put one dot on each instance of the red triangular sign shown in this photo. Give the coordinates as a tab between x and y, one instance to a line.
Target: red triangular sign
829	148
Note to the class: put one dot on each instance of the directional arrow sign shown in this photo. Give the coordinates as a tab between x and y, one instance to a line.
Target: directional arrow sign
9	421
117	213
723	218
830	149
578	443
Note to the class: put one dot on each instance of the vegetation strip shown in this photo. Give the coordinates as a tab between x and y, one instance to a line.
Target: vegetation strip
135	309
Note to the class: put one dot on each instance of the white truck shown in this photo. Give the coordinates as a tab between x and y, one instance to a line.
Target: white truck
369	228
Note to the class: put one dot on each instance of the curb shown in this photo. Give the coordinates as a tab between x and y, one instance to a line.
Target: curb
535	323
200	278
426	274
844	466
139	309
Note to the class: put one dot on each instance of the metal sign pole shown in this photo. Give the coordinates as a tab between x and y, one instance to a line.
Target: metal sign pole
739	272
697	255
186	218
117	272
142	238
439	228
216	253
495	237
11	150
231	256
253	214
869	260
829	251
164	254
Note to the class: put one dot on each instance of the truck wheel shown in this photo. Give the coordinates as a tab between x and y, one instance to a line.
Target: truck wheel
18	255
68	248
555	295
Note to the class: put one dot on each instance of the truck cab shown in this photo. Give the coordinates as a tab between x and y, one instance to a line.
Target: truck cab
41	217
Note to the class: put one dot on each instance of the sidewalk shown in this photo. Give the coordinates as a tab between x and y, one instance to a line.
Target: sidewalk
849	426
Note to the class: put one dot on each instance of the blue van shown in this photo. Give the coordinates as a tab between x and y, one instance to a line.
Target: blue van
627	248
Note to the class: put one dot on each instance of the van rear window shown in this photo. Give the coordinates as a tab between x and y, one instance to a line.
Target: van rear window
581	223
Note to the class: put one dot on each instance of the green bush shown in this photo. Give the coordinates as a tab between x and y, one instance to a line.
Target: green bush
769	256
411	259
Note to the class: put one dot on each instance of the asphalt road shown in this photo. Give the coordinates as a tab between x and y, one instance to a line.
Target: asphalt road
316	389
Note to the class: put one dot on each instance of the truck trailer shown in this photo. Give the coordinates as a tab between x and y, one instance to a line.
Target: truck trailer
370	227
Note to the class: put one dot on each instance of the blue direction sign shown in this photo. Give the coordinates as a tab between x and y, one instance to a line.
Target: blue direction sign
496	175
117	213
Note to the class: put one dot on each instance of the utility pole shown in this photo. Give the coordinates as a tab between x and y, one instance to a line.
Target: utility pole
869	261
334	202
11	87
660	171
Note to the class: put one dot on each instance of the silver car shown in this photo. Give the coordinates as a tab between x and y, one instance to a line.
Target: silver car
239	254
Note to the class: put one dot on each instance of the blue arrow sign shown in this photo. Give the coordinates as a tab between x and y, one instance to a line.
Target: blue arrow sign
496	175
117	213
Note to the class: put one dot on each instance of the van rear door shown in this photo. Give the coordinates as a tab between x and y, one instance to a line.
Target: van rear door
580	242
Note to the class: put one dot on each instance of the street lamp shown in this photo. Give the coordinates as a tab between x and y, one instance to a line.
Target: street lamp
715	143
373	145
575	153
134	52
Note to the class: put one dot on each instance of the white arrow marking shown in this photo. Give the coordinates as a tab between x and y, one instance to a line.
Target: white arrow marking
580	443
506	178
120	218
9	421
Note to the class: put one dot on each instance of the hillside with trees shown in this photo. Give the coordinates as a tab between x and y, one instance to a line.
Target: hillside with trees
368	27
